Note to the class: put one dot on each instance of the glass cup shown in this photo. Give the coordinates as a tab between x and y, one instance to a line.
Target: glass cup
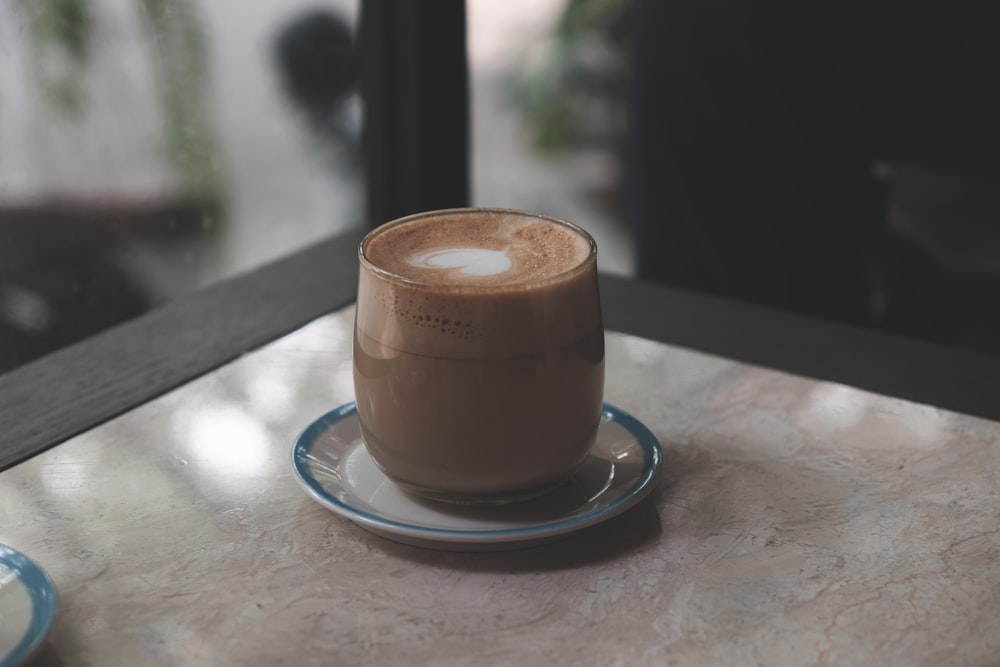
478	352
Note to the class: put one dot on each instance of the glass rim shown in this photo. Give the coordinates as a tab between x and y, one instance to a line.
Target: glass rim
396	278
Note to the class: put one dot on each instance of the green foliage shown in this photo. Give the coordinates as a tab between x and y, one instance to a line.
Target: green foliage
576	94
179	58
60	37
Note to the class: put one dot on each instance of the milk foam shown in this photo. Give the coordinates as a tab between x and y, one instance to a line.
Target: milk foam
468	261
469	249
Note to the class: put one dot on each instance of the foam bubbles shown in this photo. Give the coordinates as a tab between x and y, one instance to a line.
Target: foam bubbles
468	261
470	249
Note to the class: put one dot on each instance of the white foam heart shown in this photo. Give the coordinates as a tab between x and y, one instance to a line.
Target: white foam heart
470	261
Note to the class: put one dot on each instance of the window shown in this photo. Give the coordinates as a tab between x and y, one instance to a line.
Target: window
151	147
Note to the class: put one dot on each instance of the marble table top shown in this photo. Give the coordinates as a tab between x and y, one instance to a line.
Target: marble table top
796	522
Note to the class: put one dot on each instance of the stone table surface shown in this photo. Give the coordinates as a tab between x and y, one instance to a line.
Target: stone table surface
796	522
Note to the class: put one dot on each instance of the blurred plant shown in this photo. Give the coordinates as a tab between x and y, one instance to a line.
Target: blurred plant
180	56
61	36
575	94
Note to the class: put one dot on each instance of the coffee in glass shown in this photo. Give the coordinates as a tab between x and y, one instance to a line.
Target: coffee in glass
478	352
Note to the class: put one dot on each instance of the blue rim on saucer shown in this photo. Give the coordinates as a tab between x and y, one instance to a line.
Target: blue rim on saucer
331	464
17	569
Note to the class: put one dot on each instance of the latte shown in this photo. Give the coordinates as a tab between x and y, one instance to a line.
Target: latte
479	351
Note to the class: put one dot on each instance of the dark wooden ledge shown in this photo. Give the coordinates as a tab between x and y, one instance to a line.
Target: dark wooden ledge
80	386
910	369
77	388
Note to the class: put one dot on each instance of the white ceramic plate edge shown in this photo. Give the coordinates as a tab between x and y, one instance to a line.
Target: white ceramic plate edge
442	537
43	604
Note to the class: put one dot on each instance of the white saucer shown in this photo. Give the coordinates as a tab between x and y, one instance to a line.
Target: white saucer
333	466
27	607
